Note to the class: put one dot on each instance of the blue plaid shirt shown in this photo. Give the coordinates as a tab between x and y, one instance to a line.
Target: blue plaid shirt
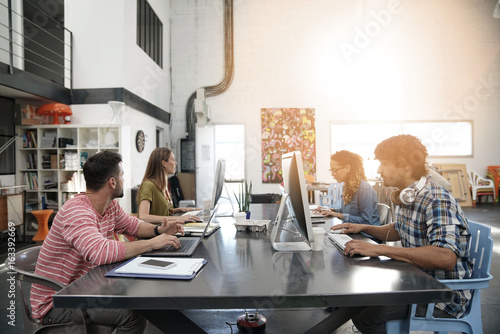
436	218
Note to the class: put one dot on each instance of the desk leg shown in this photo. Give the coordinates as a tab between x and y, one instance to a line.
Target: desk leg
334	321
171	321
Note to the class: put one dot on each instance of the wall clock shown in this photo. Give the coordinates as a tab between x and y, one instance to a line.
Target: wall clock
140	141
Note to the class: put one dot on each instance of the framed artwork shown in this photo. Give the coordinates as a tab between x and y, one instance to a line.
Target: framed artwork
286	130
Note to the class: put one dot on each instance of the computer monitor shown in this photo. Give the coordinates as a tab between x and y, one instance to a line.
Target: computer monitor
294	206
220	172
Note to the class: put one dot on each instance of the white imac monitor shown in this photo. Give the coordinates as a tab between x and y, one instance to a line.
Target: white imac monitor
294	207
220	171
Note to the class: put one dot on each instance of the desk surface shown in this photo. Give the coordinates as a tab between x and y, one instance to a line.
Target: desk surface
243	271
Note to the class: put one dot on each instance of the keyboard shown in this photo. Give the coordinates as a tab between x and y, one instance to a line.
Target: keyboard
194	225
339	239
185	245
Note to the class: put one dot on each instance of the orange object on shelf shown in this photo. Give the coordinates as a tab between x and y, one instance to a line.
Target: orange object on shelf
55	110
42	216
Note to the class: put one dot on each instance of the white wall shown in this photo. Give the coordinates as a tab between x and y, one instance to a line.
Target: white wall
106	55
350	60
98	42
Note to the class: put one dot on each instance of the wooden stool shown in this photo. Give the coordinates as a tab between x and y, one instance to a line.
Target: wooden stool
42	216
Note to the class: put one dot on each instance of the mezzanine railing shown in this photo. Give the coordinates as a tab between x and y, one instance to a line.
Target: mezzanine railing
34	39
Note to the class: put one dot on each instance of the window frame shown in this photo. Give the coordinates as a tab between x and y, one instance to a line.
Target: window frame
149	32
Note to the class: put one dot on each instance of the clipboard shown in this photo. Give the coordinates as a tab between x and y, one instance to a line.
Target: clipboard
185	269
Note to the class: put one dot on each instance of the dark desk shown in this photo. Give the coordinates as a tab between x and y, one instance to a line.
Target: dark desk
243	271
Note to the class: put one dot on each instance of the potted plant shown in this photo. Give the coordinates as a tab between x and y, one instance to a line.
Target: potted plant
244	198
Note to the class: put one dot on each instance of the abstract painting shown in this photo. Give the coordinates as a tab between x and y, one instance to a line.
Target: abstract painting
285	130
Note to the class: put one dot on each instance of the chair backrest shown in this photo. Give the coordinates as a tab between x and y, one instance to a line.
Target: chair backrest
333	199
478	181
384	213
470	176
24	267
481	247
494	172
26	259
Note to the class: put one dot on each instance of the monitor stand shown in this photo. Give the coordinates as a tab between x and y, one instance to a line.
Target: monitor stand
295	246
287	246
227	209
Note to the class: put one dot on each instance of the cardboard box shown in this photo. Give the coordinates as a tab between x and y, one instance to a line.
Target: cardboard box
53	161
28	115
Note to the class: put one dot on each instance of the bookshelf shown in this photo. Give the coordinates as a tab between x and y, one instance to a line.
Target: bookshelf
50	158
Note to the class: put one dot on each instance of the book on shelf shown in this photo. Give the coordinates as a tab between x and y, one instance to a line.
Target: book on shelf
31	204
46	161
48	203
49	184
31	163
29	139
31	179
48	139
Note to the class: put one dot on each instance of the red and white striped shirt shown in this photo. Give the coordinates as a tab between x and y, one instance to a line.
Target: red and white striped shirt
79	240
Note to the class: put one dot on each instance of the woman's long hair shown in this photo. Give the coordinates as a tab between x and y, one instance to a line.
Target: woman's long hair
356	174
154	169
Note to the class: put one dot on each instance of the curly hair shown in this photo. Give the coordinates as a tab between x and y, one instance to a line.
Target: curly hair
356	174
403	150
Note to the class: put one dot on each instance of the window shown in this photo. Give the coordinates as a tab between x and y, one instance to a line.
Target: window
441	138
7	132
149	32
230	146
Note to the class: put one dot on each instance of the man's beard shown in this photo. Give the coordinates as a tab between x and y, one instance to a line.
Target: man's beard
118	194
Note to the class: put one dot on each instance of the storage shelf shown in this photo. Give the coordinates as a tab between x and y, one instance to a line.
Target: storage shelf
45	145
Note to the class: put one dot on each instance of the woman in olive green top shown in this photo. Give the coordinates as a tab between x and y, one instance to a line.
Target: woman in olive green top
155	202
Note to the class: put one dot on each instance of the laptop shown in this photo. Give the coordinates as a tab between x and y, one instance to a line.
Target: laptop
316	218
197	227
188	244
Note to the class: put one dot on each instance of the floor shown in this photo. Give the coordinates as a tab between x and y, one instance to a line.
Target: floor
293	321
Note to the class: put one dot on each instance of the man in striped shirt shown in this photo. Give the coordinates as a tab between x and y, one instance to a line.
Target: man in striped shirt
429	223
81	238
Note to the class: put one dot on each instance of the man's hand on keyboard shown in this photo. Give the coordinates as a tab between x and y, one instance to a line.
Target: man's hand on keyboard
348	228
163	240
360	247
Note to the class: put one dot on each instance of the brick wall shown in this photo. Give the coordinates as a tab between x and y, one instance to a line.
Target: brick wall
350	60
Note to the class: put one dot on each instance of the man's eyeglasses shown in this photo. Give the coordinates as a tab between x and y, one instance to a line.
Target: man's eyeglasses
335	170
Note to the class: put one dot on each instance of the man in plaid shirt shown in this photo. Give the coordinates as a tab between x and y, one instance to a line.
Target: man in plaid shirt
429	223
